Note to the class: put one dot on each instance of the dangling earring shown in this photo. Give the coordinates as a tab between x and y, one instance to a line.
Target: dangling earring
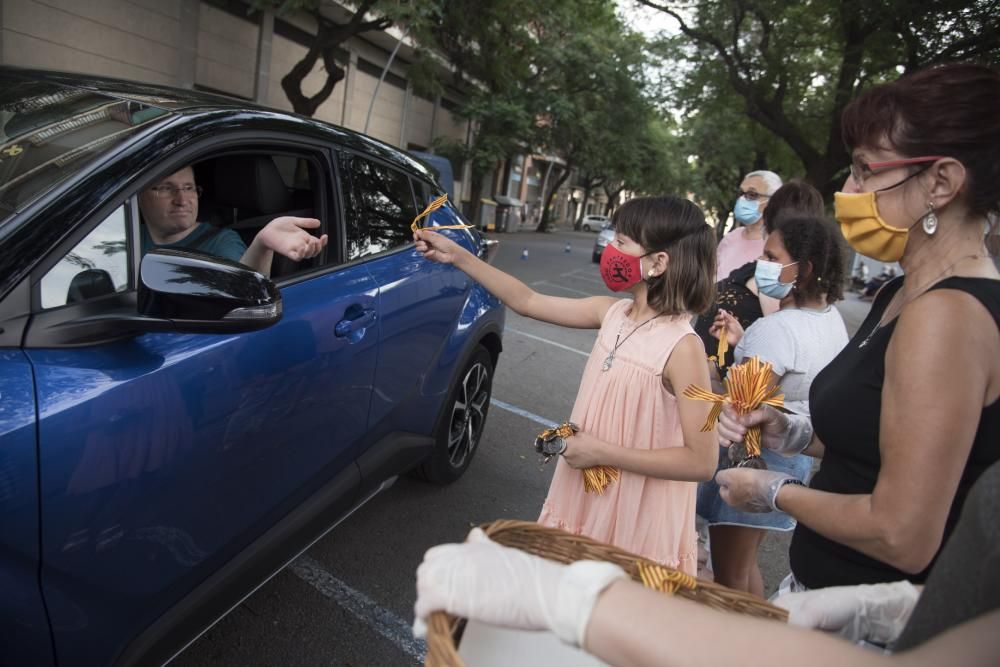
930	222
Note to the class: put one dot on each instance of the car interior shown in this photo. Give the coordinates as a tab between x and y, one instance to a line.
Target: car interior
244	192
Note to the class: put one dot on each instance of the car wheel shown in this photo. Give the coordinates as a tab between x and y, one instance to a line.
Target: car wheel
461	427
586	228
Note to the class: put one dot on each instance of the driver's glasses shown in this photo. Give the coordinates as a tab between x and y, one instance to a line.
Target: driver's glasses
862	171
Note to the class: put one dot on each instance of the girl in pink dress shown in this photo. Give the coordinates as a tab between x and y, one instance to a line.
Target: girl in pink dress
628	408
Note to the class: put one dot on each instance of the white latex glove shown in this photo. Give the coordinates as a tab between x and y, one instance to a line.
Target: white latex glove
780	432
485	581
875	613
751	490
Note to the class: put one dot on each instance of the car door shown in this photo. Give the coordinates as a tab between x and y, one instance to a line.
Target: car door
26	639
420	302
172	466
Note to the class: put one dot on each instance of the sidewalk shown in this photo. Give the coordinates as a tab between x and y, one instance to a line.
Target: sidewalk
854	311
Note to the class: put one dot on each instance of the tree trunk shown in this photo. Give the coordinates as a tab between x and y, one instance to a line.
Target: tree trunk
476	186
543	225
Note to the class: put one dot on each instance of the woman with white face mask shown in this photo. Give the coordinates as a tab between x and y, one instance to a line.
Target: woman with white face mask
907	416
802	267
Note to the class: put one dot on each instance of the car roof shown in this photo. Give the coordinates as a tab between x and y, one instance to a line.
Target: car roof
18	86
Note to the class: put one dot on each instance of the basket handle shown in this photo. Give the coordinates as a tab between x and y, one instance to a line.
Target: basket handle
441	650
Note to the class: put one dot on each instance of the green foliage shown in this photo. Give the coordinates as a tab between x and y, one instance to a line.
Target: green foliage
762	83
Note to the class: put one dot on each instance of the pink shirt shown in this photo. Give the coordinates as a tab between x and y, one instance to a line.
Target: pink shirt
734	251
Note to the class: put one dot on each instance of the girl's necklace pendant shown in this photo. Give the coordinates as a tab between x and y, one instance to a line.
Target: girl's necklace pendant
607	362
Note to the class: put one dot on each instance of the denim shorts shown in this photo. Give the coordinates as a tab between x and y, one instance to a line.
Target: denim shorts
713	509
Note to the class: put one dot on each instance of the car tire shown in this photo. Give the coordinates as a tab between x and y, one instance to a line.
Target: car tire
586	228
460	428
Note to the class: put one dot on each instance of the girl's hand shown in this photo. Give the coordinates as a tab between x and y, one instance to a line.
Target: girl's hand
584	451
435	247
725	321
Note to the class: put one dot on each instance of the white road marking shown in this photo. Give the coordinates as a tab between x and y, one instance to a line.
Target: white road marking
578	274
546	340
547	423
362	607
557	286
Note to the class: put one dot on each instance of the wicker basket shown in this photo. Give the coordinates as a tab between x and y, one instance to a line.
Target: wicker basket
564	547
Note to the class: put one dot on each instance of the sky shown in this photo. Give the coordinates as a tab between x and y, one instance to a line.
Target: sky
643	19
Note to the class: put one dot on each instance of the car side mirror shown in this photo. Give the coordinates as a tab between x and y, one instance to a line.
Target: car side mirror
204	294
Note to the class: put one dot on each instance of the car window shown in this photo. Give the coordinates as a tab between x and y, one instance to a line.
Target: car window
95	267
242	192
380	207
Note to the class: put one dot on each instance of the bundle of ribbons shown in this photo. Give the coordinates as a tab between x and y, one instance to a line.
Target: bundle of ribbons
595	479
748	386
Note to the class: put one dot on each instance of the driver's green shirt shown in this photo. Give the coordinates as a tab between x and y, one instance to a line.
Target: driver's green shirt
205	238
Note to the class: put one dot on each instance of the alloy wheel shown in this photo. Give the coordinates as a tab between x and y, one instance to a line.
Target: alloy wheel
468	414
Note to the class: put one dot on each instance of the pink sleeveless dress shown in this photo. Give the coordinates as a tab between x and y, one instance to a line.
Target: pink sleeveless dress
629	405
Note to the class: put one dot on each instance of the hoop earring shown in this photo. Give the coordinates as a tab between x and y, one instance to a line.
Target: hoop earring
930	221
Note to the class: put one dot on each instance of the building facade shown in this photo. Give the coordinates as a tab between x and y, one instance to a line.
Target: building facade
225	46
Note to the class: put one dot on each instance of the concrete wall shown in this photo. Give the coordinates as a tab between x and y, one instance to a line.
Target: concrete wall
130	39
227	52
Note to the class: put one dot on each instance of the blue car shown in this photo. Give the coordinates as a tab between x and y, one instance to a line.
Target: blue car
175	427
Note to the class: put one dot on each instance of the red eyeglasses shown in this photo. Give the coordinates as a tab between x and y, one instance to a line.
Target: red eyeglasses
863	170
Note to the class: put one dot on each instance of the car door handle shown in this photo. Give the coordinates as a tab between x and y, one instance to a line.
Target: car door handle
350	325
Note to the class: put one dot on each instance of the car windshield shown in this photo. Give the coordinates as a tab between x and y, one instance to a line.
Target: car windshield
49	132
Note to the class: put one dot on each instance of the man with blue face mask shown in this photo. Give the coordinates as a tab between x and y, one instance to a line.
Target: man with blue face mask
745	243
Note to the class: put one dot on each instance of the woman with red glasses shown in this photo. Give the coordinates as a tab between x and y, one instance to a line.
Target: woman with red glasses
908	415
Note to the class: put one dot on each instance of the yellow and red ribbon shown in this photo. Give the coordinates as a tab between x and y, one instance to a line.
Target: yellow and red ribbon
433	206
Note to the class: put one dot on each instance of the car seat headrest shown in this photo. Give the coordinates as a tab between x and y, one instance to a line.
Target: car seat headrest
251	183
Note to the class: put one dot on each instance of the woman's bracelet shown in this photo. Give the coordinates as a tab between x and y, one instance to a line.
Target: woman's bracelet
773	500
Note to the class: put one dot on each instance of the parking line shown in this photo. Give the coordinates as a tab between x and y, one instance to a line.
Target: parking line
546	340
557	286
547	423
362	607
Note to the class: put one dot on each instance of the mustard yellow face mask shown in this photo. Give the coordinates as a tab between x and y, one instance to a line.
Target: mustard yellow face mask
864	228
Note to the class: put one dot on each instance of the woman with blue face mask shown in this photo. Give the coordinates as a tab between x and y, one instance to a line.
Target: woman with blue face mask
802	266
746	241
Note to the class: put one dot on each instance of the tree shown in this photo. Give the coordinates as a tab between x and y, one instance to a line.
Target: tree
370	15
593	93
492	44
793	67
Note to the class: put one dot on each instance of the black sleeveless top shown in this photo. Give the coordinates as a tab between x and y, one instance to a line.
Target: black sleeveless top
845	401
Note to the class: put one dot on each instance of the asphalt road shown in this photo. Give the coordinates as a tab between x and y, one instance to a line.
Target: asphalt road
349	599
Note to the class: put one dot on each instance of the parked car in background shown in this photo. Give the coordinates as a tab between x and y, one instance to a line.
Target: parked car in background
593	223
604	237
175	427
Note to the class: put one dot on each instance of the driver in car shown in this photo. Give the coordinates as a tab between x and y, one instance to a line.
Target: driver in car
170	210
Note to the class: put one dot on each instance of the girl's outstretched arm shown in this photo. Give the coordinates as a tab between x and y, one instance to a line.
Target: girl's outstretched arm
695	461
586	313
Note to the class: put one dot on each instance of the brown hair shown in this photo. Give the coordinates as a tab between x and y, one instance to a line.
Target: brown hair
678	227
792	198
943	110
816	241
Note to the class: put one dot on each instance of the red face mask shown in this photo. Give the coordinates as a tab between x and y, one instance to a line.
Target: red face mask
619	270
